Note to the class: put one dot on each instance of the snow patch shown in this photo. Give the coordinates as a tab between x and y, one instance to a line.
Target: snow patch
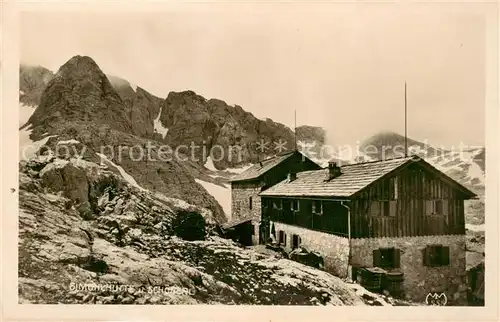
158	127
27	147
209	164
221	194
123	173
25	112
134	86
476	172
21	93
239	169
306	145
463	162
472	227
72	141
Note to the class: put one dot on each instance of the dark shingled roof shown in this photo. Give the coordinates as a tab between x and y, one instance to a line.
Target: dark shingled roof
236	222
257	169
354	178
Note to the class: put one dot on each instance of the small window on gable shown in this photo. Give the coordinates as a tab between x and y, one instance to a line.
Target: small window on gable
386	257
317	207
436	255
249	202
294	205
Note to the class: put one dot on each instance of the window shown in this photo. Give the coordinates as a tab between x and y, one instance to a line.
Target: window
386	209
295	241
436	255
294	205
438	205
317	207
435	207
277	204
383	208
282	238
250	202
386	257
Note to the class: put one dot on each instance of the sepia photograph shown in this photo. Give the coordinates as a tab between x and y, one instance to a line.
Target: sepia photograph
281	155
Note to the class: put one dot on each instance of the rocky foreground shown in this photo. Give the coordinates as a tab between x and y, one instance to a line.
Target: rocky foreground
86	235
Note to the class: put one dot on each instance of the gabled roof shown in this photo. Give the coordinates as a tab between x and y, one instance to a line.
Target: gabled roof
258	169
236	222
354	178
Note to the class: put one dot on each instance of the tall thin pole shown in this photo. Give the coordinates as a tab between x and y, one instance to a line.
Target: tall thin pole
295	128
406	125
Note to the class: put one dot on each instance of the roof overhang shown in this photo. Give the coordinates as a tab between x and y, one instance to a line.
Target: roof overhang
236	223
332	198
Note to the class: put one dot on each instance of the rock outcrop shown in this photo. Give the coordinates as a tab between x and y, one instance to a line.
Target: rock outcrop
142	107
129	155
80	92
191	118
32	83
88	236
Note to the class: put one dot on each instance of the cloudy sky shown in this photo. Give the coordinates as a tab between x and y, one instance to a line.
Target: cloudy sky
341	67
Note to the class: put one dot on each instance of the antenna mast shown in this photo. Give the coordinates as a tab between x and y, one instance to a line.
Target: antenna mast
406	126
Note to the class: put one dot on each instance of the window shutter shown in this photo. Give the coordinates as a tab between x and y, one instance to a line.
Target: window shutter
428	207
439	207
377	258
425	256
396	192
445	206
392	208
375	208
396	258
445	256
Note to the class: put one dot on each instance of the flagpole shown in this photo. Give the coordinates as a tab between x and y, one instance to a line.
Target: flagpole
295	129
406	125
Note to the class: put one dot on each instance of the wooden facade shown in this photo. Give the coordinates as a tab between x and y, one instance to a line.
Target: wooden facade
245	198
411	201
332	219
403	204
296	163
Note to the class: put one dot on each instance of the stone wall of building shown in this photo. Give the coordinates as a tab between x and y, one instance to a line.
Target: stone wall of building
420	280
333	249
240	204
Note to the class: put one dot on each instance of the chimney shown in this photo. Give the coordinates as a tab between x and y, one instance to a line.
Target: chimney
333	171
292	176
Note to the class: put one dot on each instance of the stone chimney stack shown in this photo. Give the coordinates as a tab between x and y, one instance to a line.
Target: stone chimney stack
333	170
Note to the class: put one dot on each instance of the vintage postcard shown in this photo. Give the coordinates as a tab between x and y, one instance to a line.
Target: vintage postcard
285	155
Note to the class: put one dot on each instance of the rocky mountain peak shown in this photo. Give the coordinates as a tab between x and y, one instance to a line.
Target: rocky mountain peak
80	92
78	65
